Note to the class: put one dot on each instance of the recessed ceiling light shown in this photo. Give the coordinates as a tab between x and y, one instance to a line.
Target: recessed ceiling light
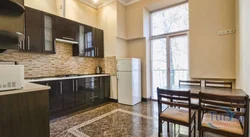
95	1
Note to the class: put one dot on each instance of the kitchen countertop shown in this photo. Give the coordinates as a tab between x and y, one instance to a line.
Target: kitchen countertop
28	87
65	78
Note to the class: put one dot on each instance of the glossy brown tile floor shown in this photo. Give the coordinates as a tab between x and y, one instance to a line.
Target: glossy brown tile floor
115	120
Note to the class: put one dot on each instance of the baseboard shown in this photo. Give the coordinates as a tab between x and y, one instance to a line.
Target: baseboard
146	99
113	100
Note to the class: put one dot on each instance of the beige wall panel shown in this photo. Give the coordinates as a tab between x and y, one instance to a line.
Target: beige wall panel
121	48
121	20
212	56
107	20
49	6
77	11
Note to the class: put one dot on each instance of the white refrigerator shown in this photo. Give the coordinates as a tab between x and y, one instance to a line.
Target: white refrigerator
129	81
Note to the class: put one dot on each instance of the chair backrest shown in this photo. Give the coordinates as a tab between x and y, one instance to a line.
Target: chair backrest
224	104
172	98
218	84
189	83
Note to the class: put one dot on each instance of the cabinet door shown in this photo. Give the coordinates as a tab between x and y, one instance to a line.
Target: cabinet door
48	33
33	31
55	96
80	94
107	87
89	49
66	29
68	89
93	92
99	43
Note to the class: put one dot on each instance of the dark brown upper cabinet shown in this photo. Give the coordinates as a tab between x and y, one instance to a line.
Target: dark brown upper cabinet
65	29
33	31
39	32
90	42
99	42
48	33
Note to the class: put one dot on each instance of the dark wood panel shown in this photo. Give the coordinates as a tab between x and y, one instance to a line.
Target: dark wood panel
34	30
25	115
66	29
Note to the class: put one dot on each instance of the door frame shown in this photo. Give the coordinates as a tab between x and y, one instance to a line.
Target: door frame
167	37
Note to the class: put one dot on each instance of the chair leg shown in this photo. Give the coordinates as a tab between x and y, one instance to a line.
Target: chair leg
160	128
200	133
168	126
194	127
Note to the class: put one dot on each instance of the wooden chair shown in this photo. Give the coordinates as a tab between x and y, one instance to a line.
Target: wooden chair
185	117
218	84
222	120
197	83
190	83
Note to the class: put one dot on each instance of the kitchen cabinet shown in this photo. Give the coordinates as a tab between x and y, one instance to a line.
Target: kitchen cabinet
65	29
66	96
99	43
48	33
80	95
68	90
90	44
55	95
39	32
25	114
33	31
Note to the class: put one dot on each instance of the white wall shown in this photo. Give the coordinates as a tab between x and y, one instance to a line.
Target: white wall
243	45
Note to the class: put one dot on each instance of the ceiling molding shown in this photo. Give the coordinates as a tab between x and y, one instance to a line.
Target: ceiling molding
128	2
132	2
122	2
96	6
89	4
106	3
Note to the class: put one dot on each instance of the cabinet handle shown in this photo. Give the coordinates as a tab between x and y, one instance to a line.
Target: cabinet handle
61	87
28	43
73	86
76	85
68	38
93	97
23	45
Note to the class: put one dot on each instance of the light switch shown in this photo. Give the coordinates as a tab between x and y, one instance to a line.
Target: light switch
226	32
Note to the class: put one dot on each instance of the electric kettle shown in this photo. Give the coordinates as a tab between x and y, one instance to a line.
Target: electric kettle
98	70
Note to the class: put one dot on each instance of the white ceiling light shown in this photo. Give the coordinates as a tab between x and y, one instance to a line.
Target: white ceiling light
95	1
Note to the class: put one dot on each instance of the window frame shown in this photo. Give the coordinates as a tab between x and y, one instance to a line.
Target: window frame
165	34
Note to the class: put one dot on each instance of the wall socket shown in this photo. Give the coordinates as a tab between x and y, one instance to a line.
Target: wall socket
226	32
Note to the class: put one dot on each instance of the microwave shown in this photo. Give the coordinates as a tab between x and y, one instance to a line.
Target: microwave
11	77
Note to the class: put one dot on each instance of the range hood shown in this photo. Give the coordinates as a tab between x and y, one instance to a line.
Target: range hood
10	40
11	25
66	41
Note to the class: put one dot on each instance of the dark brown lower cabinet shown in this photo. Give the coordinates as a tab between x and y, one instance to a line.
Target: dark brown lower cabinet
25	115
67	96
68	90
55	96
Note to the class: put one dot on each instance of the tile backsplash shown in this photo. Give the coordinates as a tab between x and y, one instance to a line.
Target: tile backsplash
46	65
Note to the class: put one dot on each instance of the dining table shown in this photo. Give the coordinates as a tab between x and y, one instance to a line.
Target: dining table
195	90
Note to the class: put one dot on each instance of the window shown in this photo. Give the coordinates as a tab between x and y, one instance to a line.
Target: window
169	46
170	20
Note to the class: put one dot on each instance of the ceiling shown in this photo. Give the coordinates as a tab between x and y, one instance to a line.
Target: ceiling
101	3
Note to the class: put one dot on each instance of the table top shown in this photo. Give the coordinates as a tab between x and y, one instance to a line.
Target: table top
195	90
